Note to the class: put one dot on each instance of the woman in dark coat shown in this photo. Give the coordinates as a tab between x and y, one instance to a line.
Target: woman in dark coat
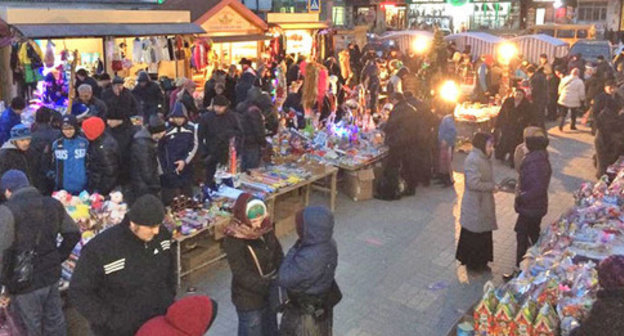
609	139
514	117
478	210
307	274
531	201
254	255
606	317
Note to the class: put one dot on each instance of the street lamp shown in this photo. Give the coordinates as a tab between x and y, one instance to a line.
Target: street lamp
449	91
420	45
506	52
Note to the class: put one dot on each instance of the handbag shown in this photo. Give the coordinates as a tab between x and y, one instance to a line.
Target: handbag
19	267
277	295
10	324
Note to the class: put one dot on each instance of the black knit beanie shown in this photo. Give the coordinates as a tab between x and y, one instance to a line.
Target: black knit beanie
147	210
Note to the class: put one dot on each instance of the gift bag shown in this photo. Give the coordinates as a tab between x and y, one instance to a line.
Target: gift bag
10	324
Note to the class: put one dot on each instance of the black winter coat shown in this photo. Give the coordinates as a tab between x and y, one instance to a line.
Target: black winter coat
511	122
189	103
250	291
606	317
144	169
245	83
253	128
13	158
535	172
215	132
149	98
125	102
209	92
124	134
120	281
230	88
400	127
603	101
43	216
103	162
40	156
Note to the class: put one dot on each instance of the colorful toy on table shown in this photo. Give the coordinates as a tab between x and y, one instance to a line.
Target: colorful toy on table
485	310
116	207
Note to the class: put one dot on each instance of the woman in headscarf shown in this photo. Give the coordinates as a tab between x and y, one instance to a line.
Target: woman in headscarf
308	273
606	317
254	255
478	213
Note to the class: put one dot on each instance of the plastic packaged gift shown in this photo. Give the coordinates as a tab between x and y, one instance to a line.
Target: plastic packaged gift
523	323
505	314
484	311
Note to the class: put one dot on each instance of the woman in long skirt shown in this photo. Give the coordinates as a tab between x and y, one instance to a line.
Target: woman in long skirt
478	213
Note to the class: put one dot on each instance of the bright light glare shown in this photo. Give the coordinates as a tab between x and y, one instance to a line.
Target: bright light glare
507	51
420	45
558	4
449	91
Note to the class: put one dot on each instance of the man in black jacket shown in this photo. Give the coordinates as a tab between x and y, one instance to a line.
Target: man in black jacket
82	77
13	154
97	108
401	140
539	95
145	169
148	94
121	128
120	97
40	151
126	274
103	158
216	128
254	137
603	100
31	223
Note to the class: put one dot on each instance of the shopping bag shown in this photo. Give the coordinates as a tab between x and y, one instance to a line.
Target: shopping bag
10	324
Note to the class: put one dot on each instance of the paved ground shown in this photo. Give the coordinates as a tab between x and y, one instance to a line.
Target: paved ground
396	264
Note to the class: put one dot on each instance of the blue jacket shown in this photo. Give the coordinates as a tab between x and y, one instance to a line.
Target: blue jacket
310	265
179	143
70	164
447	130
7	121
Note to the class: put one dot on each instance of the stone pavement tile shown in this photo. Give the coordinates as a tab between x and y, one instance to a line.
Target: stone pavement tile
396	259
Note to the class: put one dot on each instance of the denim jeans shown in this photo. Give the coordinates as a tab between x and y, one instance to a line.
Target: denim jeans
41	311
261	322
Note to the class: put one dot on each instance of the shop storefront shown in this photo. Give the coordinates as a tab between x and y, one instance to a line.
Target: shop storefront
460	15
301	32
118	42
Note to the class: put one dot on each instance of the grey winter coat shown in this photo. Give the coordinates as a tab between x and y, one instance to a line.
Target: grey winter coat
478	211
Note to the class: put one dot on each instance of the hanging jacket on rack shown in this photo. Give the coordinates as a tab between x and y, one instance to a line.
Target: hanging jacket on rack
48	60
137	51
163	48
199	55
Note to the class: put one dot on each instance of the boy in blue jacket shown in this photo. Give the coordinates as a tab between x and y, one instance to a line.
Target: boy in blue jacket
176	152
70	158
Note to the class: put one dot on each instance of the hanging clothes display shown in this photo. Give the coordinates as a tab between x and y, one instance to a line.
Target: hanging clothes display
200	53
30	56
137	50
48	59
164	49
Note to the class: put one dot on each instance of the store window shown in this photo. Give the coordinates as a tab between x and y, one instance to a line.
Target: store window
592	11
290	6
338	15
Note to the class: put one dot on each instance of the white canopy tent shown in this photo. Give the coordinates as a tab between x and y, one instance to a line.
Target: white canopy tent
404	39
480	43
532	46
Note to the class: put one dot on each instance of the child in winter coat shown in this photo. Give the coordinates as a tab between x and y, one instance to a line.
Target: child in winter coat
447	136
70	158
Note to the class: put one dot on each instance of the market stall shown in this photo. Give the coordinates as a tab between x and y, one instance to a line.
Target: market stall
232	32
532	46
409	39
304	34
478	42
558	283
471	118
48	41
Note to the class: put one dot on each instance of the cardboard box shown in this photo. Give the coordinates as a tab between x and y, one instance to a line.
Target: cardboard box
358	185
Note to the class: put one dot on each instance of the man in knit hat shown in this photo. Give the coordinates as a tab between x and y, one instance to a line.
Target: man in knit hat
120	97
103	158
145	169
148	94
118	125
216	128
30	224
13	154
126	274
177	150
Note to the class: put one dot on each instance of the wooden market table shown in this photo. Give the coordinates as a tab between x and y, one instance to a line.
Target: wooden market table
319	173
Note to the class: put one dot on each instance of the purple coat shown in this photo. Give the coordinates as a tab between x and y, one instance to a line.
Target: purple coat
532	192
